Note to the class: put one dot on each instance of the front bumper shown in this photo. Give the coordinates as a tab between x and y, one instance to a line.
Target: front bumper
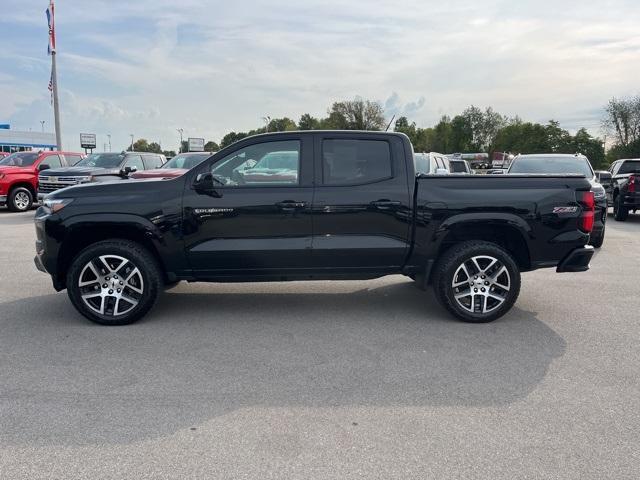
3	199
577	260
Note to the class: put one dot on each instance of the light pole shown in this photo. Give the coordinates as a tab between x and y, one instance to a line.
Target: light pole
180	131
109	137
131	135
42	123
267	121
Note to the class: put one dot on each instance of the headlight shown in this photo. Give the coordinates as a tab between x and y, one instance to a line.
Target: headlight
85	179
57	204
599	193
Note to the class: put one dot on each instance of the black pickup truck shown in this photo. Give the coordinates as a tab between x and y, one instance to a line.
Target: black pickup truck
329	205
623	188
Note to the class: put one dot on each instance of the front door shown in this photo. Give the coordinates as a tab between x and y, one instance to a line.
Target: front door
257	221
362	204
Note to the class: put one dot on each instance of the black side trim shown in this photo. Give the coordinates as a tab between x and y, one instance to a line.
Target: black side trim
577	260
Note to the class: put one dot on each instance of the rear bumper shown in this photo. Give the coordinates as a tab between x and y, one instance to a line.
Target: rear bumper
632	200
3	199
577	260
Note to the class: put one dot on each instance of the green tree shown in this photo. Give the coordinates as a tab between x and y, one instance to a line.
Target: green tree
358	114
232	137
307	122
211	146
284	124
140	145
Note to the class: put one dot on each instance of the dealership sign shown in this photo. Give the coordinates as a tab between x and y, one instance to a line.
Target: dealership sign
196	144
88	140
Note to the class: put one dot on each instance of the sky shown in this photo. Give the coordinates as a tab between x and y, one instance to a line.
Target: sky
147	68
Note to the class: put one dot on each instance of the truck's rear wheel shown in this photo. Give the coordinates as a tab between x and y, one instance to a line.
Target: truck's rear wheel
114	282
620	212
477	281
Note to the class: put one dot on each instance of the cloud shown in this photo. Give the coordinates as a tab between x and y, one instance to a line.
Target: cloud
149	67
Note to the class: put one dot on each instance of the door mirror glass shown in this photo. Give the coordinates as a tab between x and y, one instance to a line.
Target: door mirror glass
43	166
128	170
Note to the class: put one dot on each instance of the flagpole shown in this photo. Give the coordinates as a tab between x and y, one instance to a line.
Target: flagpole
56	106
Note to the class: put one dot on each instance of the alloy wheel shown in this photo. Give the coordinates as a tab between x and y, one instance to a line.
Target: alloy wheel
21	200
481	284
111	285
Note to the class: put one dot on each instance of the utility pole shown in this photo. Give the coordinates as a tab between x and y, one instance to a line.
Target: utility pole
267	121
131	135
109	137
180	131
42	123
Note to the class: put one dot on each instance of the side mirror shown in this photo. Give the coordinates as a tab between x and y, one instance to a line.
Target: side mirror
127	170
204	184
43	166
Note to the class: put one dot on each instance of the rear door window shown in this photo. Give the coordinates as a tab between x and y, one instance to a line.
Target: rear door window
355	162
134	161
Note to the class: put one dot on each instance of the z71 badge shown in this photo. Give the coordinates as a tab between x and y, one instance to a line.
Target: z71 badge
565	209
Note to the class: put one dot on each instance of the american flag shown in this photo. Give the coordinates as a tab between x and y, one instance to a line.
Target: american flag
51	86
52	29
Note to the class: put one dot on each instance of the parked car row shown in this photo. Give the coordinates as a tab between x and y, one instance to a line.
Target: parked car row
19	175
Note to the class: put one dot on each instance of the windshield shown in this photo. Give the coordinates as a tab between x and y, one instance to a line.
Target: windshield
19	159
186	161
626	167
552	165
101	160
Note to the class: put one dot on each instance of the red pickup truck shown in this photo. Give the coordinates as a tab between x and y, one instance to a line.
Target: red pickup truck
19	175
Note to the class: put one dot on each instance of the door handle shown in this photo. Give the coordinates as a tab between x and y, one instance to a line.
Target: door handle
386	203
290	205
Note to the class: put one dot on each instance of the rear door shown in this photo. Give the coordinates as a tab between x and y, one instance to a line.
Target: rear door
362	205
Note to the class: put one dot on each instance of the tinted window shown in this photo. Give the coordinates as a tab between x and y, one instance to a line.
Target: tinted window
629	167
552	165
54	161
458	166
19	159
134	161
102	160
267	163
347	162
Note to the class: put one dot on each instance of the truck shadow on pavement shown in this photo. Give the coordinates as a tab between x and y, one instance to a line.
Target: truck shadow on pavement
198	356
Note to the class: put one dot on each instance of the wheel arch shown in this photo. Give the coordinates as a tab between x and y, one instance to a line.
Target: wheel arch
82	233
509	232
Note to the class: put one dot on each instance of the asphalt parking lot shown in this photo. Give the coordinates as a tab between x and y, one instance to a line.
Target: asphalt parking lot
323	380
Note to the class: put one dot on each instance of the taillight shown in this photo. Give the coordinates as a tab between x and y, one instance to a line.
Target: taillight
588	202
632	183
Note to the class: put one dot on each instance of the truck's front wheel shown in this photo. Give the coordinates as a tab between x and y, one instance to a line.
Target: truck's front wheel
477	281
114	282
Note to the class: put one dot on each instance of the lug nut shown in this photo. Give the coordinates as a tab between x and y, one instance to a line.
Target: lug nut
121	282
118	290
486	283
106	278
110	292
482	289
483	277
105	285
115	276
475	290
